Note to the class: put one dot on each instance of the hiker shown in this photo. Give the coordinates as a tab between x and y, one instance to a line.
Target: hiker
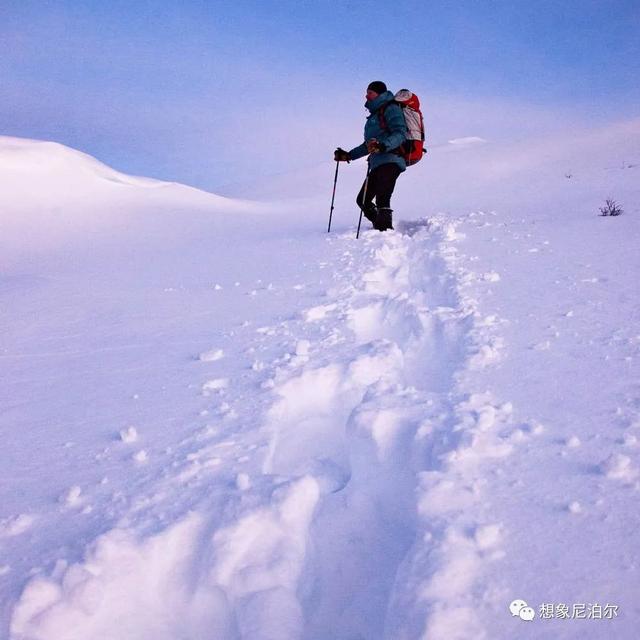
384	132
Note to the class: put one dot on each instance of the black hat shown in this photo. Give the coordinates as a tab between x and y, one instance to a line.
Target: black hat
378	86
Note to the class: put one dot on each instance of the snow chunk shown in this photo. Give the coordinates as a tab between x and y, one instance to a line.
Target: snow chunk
129	435
533	427
302	348
225	409
211	355
217	384
243	482
486	354
318	313
383	361
456	572
573	442
38	596
108	595
487	536
72	497
487	417
141	456
15	525
618	467
574	507
260	557
451	234
542	346
266	331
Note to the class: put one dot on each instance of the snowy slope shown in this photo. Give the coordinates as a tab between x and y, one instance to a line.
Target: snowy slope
221	422
54	197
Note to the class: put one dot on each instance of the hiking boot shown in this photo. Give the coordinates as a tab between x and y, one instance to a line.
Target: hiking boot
371	213
384	220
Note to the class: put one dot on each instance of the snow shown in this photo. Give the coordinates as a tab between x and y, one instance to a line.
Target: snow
212	355
129	435
222	422
467	141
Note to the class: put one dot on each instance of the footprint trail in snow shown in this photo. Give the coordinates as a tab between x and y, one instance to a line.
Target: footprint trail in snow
340	487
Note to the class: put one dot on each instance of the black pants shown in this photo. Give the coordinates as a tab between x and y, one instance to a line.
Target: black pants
382	181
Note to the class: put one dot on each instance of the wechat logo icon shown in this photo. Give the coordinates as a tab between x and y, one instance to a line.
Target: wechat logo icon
522	610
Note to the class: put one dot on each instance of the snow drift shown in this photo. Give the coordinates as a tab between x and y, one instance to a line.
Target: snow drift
222	422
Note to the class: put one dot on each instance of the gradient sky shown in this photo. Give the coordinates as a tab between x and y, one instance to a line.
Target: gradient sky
210	93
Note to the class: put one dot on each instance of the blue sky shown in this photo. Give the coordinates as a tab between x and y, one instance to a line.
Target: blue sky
209	93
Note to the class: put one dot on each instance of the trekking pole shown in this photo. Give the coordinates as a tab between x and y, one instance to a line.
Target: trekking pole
364	197
333	197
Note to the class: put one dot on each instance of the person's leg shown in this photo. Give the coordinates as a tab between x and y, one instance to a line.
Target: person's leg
385	184
365	200
386	176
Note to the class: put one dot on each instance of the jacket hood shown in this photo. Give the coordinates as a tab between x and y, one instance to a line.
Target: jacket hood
376	103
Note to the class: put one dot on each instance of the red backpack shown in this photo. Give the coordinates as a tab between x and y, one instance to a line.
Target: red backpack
412	149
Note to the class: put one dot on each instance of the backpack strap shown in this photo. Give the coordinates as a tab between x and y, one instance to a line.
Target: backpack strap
385	127
380	114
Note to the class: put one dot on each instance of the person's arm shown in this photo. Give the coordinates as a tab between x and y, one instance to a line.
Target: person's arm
395	132
359	151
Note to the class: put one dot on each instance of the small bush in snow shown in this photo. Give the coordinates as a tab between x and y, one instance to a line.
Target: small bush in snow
611	208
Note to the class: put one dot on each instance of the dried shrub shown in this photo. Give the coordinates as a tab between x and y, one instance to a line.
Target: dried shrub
611	208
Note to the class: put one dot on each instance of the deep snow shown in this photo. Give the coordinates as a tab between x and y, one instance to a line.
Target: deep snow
220	422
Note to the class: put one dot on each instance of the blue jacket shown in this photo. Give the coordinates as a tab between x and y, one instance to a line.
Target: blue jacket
391	137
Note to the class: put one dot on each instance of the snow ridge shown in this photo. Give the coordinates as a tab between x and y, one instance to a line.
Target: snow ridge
367	513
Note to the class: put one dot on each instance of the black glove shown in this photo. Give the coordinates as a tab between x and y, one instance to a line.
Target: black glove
374	146
340	155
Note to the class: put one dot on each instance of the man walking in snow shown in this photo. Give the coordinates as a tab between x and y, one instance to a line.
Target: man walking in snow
384	131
